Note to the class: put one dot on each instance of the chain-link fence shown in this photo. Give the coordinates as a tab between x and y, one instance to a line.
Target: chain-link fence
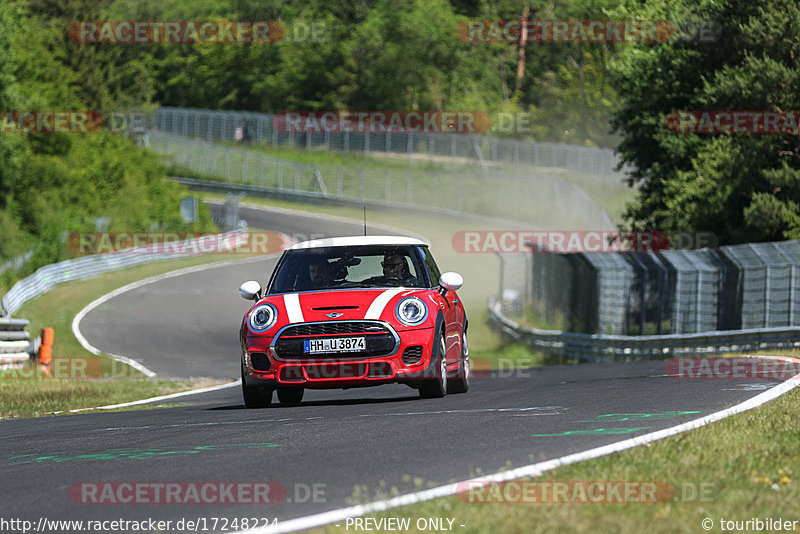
536	197
259	128
671	292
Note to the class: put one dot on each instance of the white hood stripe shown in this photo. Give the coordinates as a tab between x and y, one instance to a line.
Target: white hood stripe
376	308
293	309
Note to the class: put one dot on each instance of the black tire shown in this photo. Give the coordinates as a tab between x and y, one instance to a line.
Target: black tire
290	396
255	397
460	383
435	387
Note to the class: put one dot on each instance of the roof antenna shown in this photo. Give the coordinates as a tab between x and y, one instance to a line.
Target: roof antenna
365	221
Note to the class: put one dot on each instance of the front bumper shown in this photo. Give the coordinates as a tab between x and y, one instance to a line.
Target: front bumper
266	368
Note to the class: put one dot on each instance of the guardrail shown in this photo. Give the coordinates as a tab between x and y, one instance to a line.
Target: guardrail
77	269
214	125
320	198
530	197
600	347
16	347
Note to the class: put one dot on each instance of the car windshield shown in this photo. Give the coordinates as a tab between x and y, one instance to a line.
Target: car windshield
348	267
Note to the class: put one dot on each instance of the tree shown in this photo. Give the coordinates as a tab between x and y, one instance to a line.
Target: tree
743	187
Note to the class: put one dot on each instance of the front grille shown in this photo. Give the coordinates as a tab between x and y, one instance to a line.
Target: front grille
332	328
412	355
321	372
376	345
259	361
380	340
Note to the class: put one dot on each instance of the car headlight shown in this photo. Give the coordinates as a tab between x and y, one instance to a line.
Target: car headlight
263	317
411	311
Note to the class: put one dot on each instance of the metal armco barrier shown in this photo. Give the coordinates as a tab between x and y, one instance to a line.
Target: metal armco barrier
599	348
77	269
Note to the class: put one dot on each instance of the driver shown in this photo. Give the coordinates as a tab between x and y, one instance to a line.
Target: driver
395	266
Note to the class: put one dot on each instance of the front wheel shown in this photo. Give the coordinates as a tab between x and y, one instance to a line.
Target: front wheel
253	396
460	384
436	387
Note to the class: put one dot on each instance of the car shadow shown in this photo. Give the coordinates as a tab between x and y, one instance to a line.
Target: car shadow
332	402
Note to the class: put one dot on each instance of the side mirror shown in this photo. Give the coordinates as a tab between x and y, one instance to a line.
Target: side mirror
250	290
451	281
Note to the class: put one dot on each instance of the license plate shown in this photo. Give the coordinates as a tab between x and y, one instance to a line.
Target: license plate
336	344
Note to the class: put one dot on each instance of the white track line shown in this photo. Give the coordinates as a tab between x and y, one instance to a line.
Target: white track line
532	470
371	226
76	321
155	399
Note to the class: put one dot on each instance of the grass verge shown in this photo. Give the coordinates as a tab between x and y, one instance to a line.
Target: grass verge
736	469
40	397
78	379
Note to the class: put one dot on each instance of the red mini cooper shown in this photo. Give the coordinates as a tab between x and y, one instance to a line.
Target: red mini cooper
347	312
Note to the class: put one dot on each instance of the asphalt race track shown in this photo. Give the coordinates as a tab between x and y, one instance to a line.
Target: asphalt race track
335	440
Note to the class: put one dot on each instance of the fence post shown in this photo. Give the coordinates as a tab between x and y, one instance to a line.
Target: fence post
790	322
339	184
244	166
362	184
280	174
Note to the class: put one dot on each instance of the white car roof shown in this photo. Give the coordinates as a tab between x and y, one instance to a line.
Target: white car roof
350	241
